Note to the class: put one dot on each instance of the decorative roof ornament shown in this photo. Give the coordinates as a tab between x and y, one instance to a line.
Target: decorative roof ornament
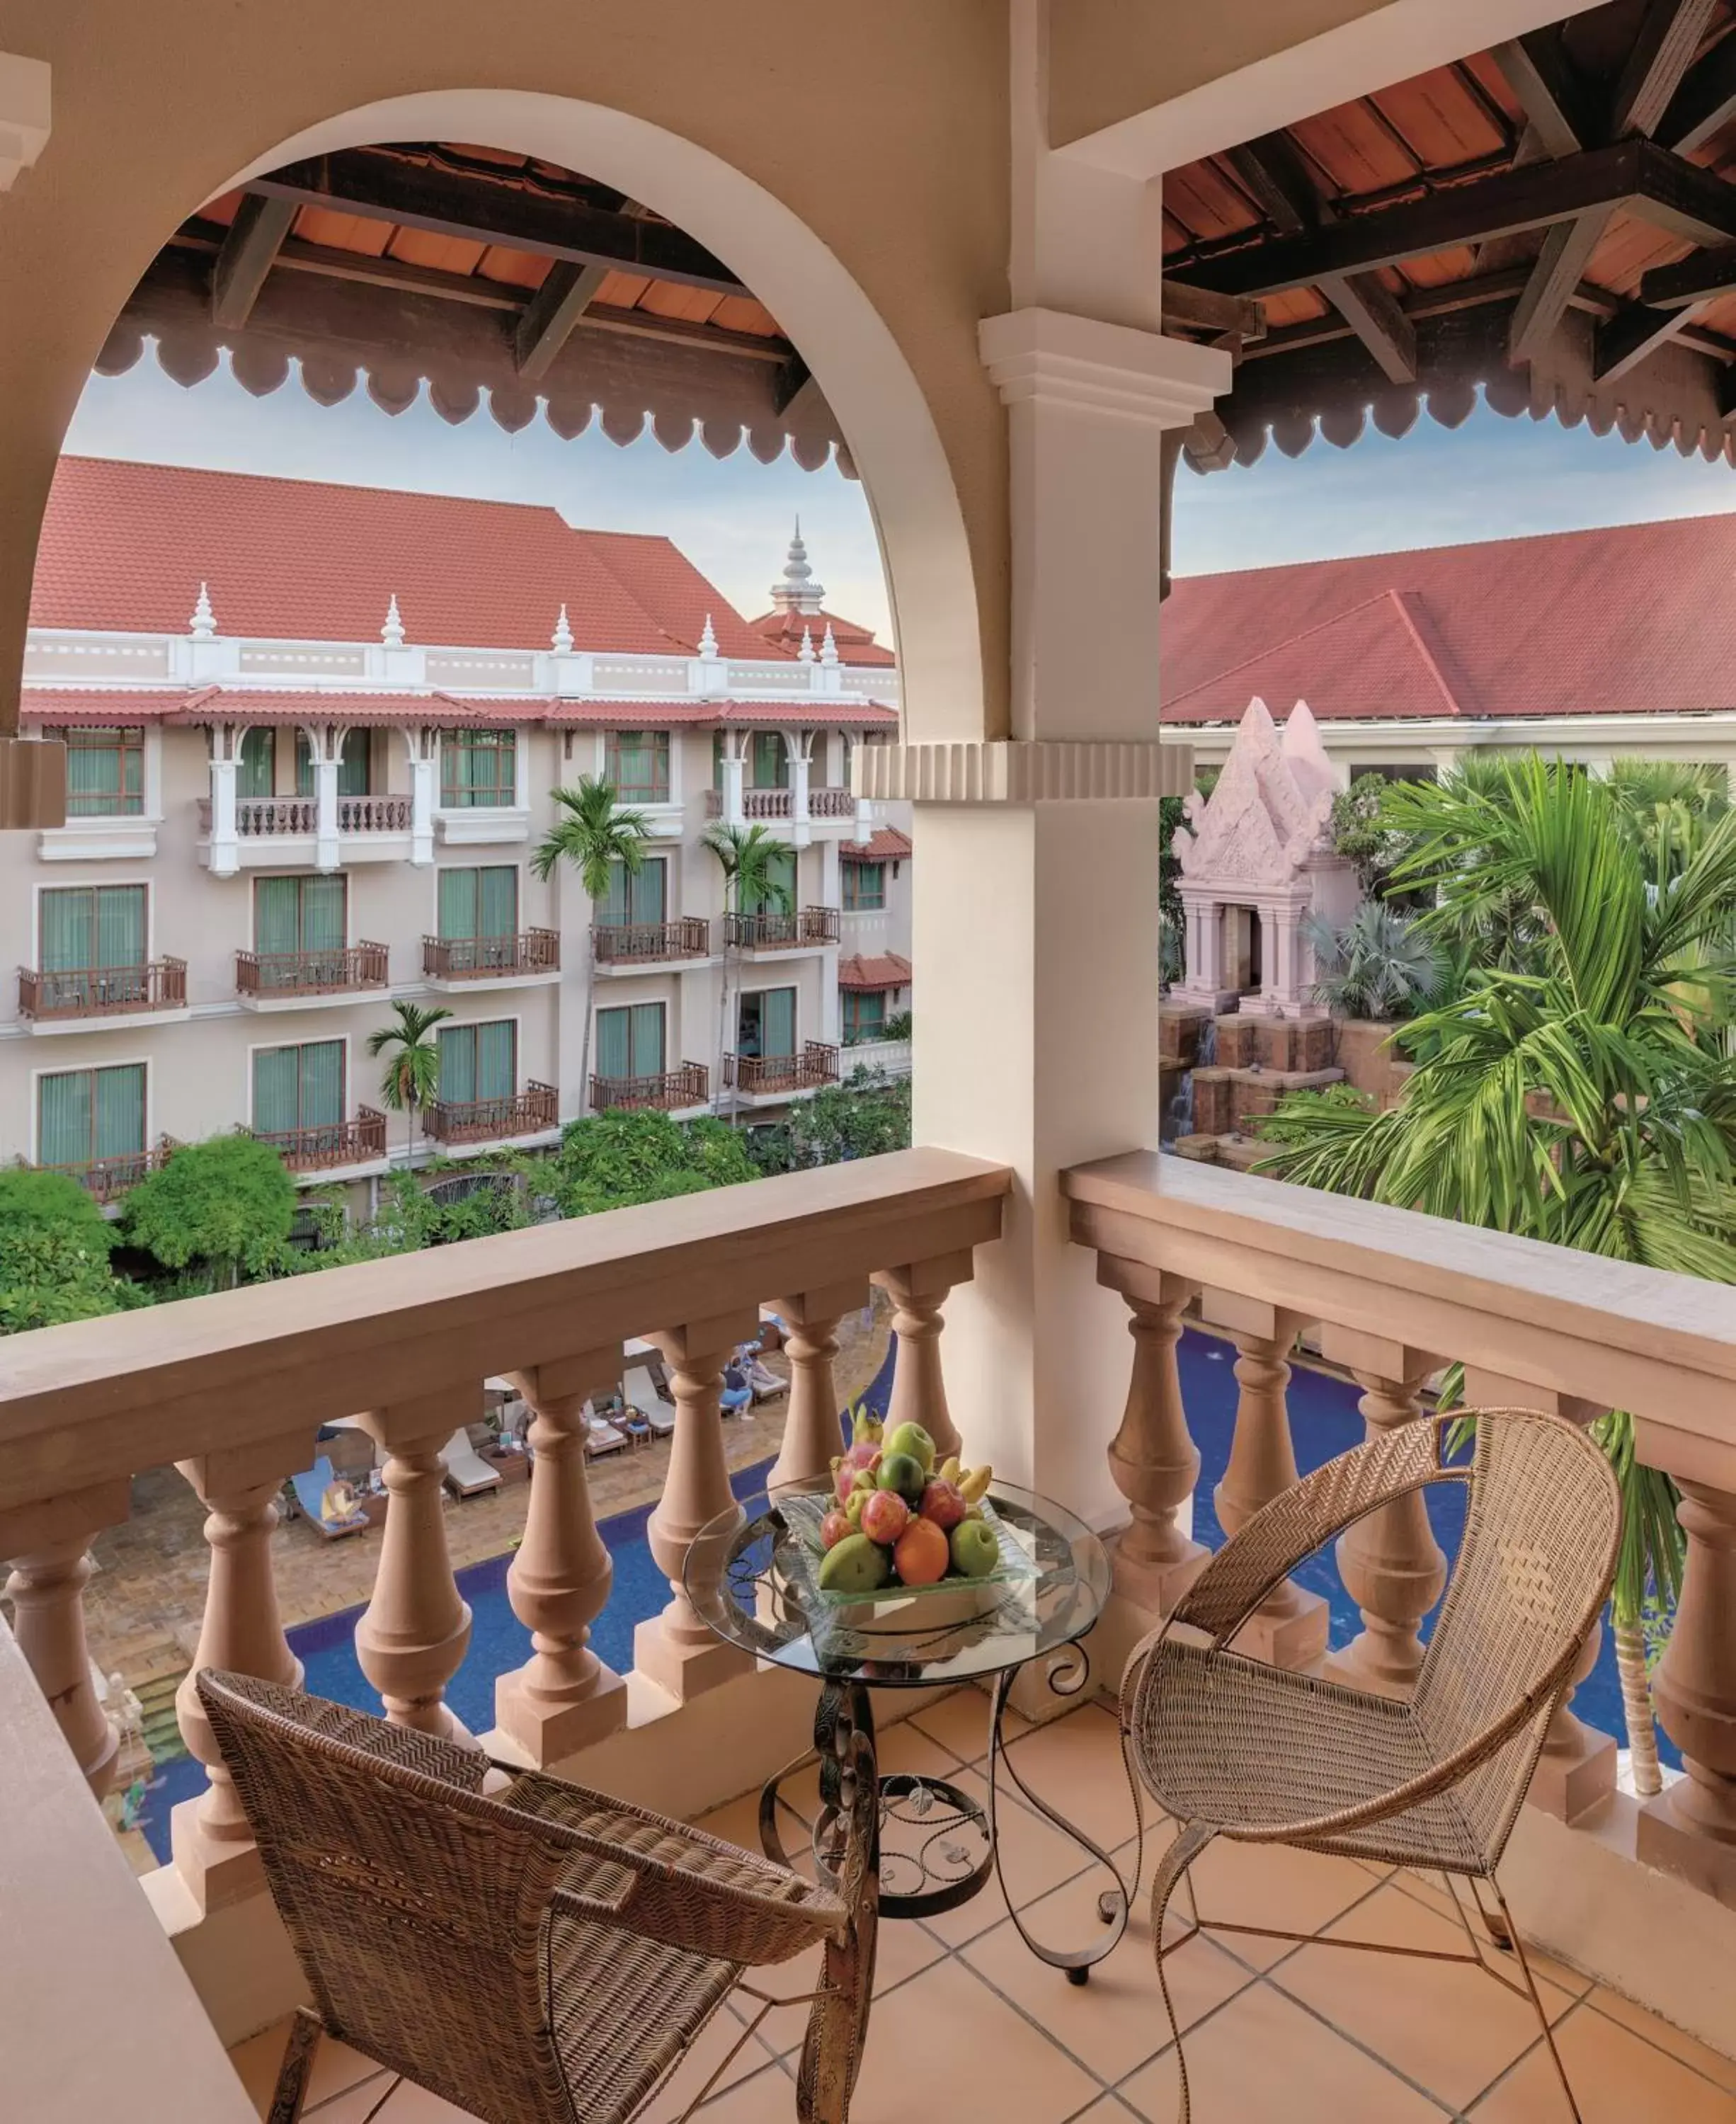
829	647
561	641
203	623
708	640
805	654
798	592
393	632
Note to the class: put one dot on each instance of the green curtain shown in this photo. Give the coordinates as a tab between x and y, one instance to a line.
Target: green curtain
637	763
305	781
352	764
321	1071
457	899
778	1022
83	926
255	772
121	925
105	771
648	1040
717	759
65	918
864	886
458	1063
63	1118
119	1096
770	760
276	914
497	893
780	869
864	1013
477	768
615	1043
323	913
640	898
496	1062
277	1090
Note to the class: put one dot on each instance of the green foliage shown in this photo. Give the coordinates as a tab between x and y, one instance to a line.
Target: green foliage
1362	832
33	1200
1380	966
865	1116
749	856
592	834
611	1159
412	1072
54	1247
897	1026
220	1209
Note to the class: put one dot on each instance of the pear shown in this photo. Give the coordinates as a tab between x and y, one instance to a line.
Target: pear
855	1565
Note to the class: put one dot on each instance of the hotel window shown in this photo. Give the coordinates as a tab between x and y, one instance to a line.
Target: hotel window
766	1023
105	771
478	767
91	929
255	764
352	765
864	887
717	759
298	1087
635	897
478	1062
636	765
300	914
770	761
477	903
630	1041
864	1014
84	1117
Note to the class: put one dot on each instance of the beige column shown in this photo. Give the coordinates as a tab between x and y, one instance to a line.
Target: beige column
241	1632
413	1638
1152	1457
1391	1564
811	1437
564	1698
676	1650
1577	1768
48	1546
918	1291
1690	1828
1290	1626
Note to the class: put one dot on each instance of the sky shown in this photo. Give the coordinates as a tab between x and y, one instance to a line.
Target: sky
1491	478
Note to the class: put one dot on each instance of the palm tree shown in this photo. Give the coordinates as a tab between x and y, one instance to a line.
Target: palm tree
750	858
1380	966
413	1075
1576	1088
593	834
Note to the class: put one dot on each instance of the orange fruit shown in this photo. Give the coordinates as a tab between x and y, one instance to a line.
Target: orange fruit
921	1554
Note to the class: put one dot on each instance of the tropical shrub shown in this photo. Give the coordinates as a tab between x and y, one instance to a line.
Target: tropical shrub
55	1249
1380	965
219	1212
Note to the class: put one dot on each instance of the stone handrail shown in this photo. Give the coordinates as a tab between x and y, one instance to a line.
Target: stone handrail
1395	1295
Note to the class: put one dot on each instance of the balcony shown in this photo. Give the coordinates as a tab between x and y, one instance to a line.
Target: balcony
373	814
632	947
831	804
289	829
359	1142
265	980
51	1001
778	1076
668	1091
530	1112
109	1178
535	955
759	805
804	929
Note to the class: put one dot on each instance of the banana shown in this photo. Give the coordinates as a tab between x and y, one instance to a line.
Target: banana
950	1470
852	1505
974	1485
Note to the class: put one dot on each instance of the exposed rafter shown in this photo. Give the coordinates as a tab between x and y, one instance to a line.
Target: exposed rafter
554	310
1556	102
1631	335
253	241
1705	102
1670	34
1706	275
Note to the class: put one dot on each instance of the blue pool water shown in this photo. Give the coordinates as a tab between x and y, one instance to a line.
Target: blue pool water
1323	1421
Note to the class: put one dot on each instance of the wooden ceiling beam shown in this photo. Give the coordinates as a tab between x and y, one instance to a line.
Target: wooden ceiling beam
1707	274
552	313
1194	309
1560	266
381	188
1670	34
254	239
1554	97
1631	335
1705	102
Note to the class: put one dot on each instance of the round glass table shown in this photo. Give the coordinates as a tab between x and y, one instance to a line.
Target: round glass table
752	1575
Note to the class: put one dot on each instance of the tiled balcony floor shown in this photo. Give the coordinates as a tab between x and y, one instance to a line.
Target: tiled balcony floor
967	2026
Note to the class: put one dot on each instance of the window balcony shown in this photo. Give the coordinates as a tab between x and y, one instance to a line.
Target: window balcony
340	1143
276	830
530	1112
778	1076
804	929
634	947
109	1178
535	955
831	804
52	1001
266	980
669	1092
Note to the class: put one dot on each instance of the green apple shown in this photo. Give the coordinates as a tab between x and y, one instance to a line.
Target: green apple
976	1551
912	1438
903	1473
855	1565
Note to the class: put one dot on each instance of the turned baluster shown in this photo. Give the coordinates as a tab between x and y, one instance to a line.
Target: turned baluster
1290	1627
415	1631
48	1544
1690	1829
918	1291
1152	1458
241	1632
564	1698
675	1649
811	1437
1391	1564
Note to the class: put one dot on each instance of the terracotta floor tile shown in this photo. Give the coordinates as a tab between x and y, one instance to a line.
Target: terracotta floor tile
1676	2040
1428	1889
903	1951
336	2067
409	2105
1035	1857
1263	2060
769	2096
714	2041
959	1722
1617	2079
1452	2030
1264	1885
1075	1765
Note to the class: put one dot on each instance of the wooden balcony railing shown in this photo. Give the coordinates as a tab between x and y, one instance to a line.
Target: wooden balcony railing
311	973
625	943
527	1112
109	1178
103	991
802	927
318	1149
491	958
814	1066
688	1085
373	814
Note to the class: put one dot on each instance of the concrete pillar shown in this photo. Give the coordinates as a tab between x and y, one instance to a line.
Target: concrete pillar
801	768
734	768
225	842
325	798
424	764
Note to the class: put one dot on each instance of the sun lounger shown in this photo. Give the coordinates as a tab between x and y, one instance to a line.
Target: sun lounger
601	1437
466	1471
762	1381
641	1393
311	1491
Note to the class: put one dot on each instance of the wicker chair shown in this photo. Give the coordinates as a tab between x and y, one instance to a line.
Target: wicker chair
1231	1747
543	1956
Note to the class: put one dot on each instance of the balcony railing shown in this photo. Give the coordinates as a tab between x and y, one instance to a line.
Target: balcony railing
103	991
311	973
491	958
359	1142
753	1075
688	1085
782	933
373	814
257	817
624	943
109	1178
830	804
527	1112
780	804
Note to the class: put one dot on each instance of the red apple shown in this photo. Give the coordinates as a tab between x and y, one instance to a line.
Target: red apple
834	1527
885	1517
942	1503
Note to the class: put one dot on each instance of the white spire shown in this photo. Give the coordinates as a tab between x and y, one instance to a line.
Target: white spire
393	632
828	648
708	639
797	591
204	621
562	638
805	654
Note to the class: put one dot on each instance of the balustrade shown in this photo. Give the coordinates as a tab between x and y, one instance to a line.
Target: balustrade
51	1567
918	1291
811	1437
1153	1457
1690	1828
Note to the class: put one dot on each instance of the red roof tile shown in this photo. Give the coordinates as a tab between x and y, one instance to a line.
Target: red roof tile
833	713
1623	619
855	644
885	844
659	576
889	972
55	705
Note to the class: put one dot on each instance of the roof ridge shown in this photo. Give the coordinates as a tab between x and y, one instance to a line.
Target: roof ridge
1289	641
1402	599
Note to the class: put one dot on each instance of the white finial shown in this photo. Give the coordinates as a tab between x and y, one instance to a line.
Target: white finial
708	639
798	592
204	621
828	648
805	654
562	638
393	632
